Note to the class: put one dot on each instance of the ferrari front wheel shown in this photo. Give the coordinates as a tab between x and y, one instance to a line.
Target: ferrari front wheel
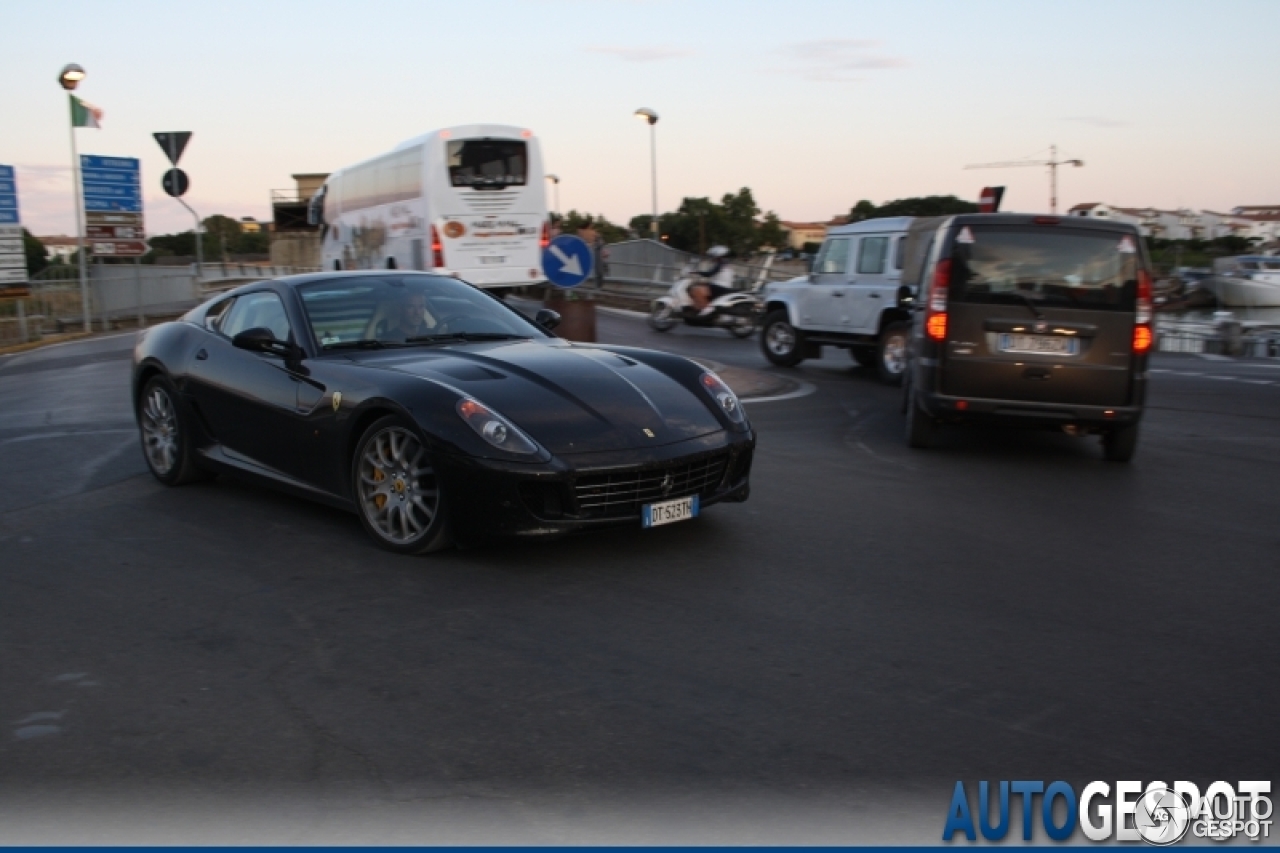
397	493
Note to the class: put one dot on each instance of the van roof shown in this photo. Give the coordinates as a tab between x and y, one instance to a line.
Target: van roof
903	223
875	226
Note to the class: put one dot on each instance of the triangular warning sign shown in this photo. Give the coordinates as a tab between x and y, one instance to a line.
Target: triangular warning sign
965	235
1126	245
173	143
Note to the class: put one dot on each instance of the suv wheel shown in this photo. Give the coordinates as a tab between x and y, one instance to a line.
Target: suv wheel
891	353
782	343
1119	444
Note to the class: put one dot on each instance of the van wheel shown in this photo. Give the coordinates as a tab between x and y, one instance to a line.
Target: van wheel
863	356
891	353
1120	444
782	343
921	428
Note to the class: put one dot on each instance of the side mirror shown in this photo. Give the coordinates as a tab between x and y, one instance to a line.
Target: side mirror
264	340
906	298
547	319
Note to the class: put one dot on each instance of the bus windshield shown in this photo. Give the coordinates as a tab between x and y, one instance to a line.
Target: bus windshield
487	163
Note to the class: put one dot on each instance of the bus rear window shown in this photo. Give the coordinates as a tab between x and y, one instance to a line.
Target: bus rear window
1051	267
487	164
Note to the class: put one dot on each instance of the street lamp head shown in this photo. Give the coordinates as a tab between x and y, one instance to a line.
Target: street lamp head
555	179
647	114
1076	163
70	76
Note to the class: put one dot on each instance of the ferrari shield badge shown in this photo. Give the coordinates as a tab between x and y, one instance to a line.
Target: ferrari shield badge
648	432
337	400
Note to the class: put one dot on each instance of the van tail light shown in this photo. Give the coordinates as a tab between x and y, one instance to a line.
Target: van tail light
437	249
1143	334
935	323
546	235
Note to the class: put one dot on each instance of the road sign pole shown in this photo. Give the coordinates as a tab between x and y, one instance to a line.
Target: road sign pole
77	191
199	248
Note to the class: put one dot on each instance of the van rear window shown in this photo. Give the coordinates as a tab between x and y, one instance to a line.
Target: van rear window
1052	267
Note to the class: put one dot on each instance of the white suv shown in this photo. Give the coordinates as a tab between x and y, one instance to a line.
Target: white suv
852	299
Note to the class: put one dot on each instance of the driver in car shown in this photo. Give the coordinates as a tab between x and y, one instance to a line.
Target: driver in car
410	318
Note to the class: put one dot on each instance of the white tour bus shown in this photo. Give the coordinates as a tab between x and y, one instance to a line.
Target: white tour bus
469	201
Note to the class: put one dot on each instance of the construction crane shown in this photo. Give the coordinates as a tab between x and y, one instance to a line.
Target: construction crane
1053	163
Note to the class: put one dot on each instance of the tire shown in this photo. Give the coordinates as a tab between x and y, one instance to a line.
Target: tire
397	494
921	429
166	436
1120	444
782	343
662	318
742	327
891	353
863	356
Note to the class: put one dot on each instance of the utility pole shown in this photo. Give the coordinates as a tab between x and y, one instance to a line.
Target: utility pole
1053	163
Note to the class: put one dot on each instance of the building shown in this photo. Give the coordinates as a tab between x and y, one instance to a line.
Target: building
60	246
799	233
1254	223
294	240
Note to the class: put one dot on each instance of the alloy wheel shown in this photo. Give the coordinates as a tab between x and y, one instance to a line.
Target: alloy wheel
159	431
397	488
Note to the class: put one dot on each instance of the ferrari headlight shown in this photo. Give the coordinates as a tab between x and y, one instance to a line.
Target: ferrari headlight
724	397
494	428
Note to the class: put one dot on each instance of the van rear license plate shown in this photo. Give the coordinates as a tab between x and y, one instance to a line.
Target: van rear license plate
667	512
493	259
1044	344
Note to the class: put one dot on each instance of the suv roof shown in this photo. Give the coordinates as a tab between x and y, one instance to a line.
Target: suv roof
887	223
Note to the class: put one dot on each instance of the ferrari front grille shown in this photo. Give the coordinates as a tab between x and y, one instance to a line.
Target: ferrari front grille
622	493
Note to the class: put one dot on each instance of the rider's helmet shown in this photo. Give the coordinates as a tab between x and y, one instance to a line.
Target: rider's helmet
717	252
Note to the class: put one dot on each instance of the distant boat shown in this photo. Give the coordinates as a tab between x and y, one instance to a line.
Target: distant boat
1246	281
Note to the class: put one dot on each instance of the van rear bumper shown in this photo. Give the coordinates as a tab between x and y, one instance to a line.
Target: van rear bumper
1022	413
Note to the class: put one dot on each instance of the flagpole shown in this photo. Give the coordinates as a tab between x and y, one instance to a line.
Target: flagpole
75	191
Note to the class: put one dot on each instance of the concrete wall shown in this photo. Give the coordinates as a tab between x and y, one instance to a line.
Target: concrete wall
295	249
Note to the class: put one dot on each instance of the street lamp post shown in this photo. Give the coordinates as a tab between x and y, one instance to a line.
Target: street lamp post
555	181
652	118
69	78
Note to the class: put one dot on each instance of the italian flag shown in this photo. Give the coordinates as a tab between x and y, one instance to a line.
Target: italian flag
84	114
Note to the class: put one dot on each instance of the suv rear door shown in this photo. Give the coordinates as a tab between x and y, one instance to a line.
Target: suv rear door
1041	313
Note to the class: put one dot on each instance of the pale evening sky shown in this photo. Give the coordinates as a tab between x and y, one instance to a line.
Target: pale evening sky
814	104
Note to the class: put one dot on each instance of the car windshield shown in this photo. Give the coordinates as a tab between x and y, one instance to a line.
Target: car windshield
1050	267
374	311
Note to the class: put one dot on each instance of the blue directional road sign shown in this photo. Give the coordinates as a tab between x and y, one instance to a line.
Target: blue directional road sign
567	261
8	196
111	183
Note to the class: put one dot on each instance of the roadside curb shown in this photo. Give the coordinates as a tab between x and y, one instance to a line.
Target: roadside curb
14	349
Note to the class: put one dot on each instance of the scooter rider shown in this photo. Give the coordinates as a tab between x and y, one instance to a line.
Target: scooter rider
714	278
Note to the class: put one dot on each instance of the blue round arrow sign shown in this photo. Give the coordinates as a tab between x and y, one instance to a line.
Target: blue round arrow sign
566	262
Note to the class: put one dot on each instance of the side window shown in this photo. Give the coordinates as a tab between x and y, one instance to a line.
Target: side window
833	257
872	254
254	311
216	314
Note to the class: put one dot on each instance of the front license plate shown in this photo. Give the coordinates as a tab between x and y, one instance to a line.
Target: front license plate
493	259
1045	344
667	512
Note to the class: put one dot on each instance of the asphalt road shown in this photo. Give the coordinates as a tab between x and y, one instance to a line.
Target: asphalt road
220	663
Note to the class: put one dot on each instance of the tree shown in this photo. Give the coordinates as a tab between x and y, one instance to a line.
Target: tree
930	205
572	221
37	253
700	223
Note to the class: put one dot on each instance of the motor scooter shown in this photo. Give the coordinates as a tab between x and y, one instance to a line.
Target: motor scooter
738	311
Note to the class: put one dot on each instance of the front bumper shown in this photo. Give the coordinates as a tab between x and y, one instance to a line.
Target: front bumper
489	499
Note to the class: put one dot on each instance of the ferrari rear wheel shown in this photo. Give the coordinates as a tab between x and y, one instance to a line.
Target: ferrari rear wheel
397	493
166	441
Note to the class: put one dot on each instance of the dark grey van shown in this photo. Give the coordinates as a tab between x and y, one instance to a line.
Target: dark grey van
1039	321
